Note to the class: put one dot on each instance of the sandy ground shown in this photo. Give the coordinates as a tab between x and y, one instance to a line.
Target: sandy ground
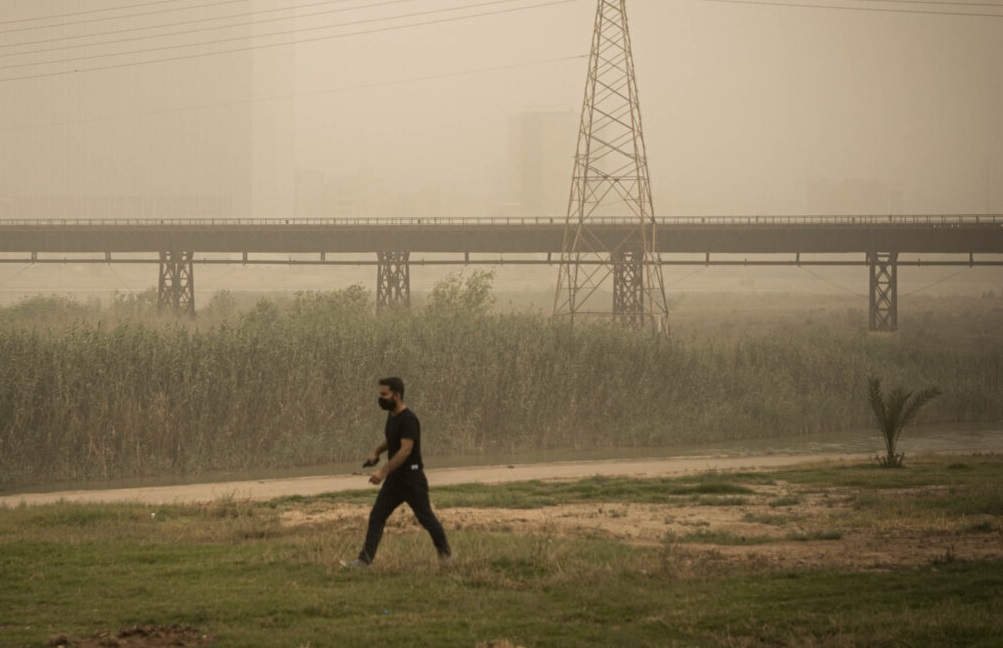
272	488
778	525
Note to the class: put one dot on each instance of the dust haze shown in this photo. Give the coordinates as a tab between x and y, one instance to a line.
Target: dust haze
434	108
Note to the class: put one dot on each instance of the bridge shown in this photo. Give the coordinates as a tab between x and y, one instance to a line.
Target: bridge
972	240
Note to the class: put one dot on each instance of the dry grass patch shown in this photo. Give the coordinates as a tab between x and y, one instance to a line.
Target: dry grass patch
780	525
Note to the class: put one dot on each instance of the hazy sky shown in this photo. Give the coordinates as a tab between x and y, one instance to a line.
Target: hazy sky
743	104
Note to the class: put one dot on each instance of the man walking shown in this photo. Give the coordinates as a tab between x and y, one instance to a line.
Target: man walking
403	476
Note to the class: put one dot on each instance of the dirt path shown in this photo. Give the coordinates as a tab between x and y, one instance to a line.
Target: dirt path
271	488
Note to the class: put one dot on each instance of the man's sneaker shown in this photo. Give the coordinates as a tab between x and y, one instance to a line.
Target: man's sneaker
354	564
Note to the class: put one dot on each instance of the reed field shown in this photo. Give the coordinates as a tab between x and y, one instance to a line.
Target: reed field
97	393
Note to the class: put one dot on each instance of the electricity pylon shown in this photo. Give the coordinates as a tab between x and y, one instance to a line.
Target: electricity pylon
610	228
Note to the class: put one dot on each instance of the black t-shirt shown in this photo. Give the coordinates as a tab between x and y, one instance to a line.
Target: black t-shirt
404	426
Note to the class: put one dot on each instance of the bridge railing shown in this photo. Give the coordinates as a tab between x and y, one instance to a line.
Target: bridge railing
515	221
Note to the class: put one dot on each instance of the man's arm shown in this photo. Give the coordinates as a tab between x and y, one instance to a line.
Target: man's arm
374	456
395	462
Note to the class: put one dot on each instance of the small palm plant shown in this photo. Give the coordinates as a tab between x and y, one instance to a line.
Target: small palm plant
893	413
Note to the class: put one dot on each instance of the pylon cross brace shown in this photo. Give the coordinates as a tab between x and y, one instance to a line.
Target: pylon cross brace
393	280
884	291
176	286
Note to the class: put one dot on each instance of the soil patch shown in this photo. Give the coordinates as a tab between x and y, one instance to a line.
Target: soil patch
137	637
808	530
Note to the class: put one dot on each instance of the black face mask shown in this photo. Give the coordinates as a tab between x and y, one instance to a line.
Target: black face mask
386	403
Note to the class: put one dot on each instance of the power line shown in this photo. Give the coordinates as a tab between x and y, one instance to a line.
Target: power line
797	5
132	30
277	33
203	5
93	20
937	283
283	44
81	13
832	283
298	7
686	276
242	102
941	2
5	280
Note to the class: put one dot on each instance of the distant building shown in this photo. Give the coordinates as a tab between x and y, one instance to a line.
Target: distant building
543	153
365	195
184	138
855	196
360	195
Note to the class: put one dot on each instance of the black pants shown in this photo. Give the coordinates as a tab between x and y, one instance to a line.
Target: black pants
403	485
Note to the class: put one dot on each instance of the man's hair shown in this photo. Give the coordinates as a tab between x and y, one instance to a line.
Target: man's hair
395	384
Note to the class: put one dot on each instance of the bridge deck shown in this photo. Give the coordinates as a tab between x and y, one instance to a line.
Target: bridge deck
967	234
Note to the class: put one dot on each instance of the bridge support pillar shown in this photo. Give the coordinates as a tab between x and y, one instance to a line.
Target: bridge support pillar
628	287
176	288
884	291
393	280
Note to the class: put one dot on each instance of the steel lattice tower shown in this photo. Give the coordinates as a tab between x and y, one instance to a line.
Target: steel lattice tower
610	228
176	289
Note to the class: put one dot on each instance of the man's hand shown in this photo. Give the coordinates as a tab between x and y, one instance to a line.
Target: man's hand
393	463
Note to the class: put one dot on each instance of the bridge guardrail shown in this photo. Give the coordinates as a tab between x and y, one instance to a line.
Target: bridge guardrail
668	221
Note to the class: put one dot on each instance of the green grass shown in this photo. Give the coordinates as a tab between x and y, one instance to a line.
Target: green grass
245	596
770	518
724	538
831	534
926	470
230	568
534	494
535	591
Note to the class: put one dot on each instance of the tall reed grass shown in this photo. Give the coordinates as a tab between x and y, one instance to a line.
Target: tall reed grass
284	385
